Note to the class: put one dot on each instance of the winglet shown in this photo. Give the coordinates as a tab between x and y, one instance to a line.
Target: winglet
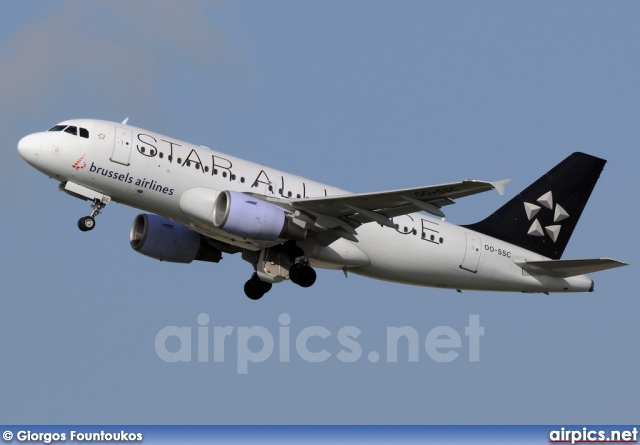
500	186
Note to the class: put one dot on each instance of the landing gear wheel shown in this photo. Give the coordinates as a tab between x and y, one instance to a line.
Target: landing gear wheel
302	275
255	288
294	272
86	223
252	291
264	286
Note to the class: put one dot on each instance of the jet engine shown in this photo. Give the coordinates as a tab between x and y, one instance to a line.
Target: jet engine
253	218
166	240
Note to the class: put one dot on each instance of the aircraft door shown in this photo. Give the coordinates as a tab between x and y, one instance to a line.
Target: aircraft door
122	146
472	253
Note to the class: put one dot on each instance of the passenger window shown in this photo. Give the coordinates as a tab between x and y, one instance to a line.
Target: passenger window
72	130
84	133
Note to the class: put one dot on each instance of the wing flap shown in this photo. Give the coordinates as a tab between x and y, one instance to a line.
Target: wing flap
569	268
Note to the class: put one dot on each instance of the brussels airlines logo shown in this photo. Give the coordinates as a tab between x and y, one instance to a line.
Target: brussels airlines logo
79	164
559	214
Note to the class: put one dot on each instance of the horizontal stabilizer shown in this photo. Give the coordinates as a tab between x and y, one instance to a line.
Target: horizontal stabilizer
569	268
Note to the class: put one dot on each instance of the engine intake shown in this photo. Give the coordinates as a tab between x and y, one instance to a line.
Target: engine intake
166	240
253	218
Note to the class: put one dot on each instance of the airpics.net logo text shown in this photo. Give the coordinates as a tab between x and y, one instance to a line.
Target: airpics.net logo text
247	345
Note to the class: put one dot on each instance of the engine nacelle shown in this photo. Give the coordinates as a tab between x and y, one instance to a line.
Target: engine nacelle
253	218
166	240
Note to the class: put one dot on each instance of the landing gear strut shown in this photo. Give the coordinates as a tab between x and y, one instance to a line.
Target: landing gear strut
87	223
99	200
255	288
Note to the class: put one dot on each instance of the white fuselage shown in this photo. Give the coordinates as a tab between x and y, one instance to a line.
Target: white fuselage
150	171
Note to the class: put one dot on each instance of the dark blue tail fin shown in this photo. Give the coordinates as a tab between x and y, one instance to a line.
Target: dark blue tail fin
542	217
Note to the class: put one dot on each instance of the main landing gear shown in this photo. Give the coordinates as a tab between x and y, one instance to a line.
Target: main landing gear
255	288
87	223
302	274
274	265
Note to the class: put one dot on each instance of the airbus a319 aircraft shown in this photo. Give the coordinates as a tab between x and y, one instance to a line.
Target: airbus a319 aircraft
203	203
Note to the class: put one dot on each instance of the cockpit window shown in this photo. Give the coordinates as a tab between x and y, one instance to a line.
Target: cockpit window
84	133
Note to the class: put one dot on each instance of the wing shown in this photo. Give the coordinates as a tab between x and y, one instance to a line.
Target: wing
342	213
397	202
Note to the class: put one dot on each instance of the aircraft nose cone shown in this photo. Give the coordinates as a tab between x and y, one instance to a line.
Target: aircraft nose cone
29	148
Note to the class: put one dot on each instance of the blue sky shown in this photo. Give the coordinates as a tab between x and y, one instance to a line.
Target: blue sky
364	95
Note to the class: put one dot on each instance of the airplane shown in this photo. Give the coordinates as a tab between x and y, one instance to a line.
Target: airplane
202	203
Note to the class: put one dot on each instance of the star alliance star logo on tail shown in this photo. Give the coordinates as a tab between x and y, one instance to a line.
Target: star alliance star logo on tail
559	214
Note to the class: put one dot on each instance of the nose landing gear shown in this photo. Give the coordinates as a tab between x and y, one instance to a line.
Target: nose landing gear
87	223
100	201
